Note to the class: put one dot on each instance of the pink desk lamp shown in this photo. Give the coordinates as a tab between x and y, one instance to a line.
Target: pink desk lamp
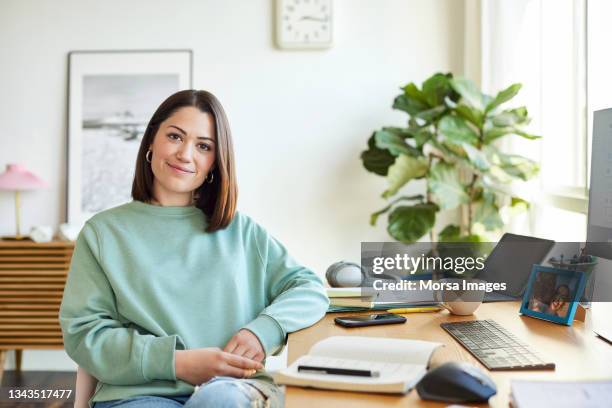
16	178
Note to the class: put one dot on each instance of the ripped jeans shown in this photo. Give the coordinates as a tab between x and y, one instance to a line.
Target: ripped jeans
219	392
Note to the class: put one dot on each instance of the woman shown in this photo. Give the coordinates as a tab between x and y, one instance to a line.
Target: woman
176	289
559	305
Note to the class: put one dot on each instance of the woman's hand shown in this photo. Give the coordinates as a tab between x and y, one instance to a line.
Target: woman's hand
200	365
246	344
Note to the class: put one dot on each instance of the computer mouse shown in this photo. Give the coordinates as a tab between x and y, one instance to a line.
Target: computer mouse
456	382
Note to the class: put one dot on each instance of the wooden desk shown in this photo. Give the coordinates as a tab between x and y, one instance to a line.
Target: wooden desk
576	350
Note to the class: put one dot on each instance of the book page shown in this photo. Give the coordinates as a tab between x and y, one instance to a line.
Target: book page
375	349
389	372
344	292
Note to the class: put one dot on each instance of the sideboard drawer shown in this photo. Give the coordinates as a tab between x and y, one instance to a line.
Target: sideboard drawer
32	279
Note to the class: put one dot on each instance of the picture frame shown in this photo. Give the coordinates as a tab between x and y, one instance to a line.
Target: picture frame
553	294
111	97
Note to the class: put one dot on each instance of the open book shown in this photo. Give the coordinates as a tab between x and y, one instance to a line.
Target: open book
399	363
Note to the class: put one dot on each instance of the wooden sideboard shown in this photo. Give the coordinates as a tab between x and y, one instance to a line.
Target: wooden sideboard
32	278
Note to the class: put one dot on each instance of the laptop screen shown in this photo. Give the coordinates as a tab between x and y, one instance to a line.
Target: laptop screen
511	261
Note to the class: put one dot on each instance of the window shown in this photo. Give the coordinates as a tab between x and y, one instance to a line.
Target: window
543	45
599	60
563	97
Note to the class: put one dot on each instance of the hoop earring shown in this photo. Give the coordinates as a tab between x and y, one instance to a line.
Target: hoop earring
212	177
147	158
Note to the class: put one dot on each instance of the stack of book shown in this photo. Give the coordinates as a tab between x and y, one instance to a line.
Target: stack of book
350	298
359	299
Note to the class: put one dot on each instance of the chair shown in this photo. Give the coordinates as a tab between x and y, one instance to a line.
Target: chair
85	387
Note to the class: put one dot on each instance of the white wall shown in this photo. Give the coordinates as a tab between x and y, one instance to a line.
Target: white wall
299	119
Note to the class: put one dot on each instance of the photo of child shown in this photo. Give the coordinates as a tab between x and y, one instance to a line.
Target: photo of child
551	294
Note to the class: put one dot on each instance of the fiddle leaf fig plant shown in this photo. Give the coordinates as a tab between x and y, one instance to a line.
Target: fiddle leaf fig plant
450	143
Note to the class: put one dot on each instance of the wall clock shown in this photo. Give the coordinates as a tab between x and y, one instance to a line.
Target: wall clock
304	24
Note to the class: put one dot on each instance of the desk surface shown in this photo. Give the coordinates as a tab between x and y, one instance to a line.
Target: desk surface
578	353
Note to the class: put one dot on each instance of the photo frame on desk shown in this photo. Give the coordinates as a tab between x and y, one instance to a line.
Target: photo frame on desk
111	97
553	294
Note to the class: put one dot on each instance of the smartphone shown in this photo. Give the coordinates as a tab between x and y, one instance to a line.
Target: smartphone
369	320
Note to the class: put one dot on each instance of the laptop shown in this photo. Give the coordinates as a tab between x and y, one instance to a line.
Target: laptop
511	261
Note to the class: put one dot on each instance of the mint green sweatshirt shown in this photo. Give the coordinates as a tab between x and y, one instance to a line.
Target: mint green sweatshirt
147	280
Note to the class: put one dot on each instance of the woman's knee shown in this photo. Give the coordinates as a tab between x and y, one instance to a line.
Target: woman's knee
144	401
222	393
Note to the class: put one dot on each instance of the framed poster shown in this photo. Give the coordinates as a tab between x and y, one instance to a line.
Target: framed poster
111	97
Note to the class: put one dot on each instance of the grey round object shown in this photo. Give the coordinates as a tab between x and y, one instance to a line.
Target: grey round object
344	275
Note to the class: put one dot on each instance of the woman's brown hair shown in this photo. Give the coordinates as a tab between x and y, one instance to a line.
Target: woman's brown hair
217	199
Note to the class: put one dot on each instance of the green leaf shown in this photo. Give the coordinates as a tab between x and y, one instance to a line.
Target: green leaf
520	167
394	143
469	92
519	202
422	136
436	88
497	175
456	130
412	101
413	123
479	239
403	170
493	133
445	185
526	135
512	117
450	232
432	114
404	133
477	157
456	150
408	105
487	213
412	91
376	160
374	216
449	151
513	165
517	206
408	224
473	115
503	96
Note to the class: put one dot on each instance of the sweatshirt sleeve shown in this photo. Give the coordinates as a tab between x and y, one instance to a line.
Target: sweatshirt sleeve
93	335
298	298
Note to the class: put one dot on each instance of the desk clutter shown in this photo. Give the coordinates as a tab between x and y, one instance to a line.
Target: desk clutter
575	351
551	294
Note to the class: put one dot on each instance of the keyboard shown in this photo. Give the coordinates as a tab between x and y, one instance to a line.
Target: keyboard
495	347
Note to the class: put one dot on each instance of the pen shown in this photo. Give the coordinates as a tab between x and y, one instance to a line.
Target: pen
337	371
415	310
